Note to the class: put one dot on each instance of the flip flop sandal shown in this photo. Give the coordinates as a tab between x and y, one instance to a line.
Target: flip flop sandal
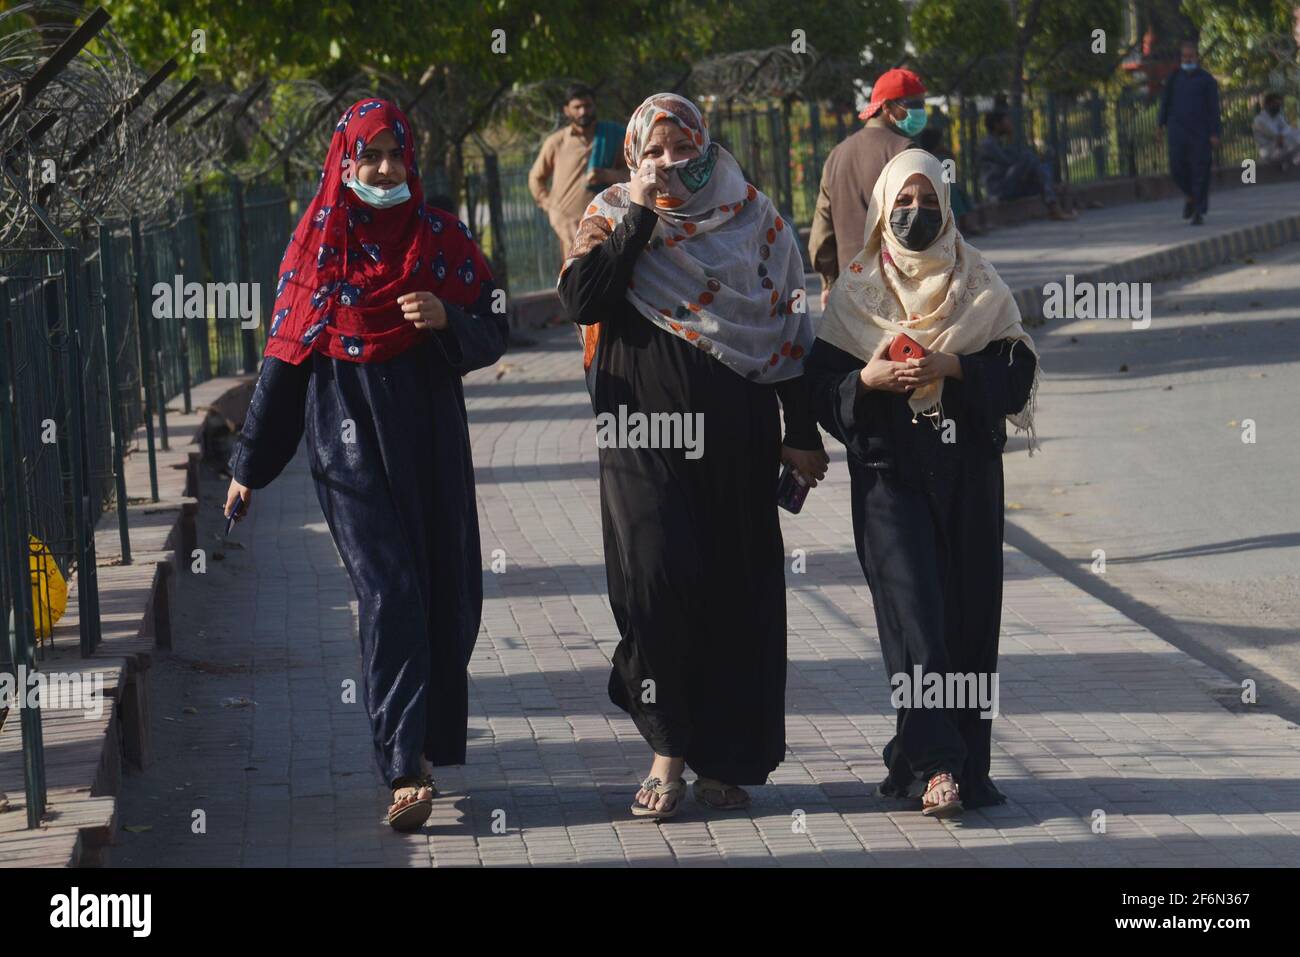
941	798
673	791
409	812
719	795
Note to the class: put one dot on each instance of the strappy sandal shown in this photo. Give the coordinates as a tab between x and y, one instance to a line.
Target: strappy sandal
941	798
413	804
719	795
673	790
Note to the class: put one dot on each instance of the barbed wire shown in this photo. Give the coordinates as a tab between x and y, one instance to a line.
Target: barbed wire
88	133
744	75
58	141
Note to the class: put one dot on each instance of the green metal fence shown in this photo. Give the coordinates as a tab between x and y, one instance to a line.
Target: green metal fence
782	147
91	349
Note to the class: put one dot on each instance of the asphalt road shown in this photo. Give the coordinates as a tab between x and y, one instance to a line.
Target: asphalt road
1143	457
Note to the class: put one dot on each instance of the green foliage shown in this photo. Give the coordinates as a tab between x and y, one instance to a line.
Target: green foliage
970	45
966	44
1244	41
1061	55
865	31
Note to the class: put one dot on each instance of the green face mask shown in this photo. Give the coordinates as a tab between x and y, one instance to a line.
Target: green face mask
913	123
695	173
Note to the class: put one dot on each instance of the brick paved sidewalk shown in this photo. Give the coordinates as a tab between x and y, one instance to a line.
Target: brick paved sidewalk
1099	718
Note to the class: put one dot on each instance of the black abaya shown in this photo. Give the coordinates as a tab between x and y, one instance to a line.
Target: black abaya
390	455
928	525
693	551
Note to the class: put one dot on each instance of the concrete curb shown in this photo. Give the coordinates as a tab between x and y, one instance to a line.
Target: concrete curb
1183	259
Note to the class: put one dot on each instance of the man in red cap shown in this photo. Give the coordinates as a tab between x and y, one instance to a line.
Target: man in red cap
895	114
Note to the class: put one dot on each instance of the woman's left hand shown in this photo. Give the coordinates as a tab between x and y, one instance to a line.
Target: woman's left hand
424	309
810	464
929	368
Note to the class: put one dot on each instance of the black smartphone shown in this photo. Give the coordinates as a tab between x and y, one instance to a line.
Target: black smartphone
230	520
791	490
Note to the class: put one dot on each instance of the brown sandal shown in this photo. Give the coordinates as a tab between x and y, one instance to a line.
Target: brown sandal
719	795
412	804
941	798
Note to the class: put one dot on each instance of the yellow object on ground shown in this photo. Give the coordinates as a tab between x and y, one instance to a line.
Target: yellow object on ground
49	590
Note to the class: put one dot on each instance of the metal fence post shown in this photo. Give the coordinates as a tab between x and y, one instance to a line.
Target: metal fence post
496	218
241	254
83	524
1098	135
779	121
185	364
147	371
815	134
1054	137
106	273
970	122
1125	129
20	627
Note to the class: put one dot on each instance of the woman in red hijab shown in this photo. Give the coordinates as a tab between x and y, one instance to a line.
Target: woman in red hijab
382	304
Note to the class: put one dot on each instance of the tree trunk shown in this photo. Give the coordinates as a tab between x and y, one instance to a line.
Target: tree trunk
1025	32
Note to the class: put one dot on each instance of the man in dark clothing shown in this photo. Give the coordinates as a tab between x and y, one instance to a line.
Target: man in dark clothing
1009	171
1189	109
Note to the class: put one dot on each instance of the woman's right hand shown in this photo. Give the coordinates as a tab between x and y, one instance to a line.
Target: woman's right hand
237	494
646	183
881	374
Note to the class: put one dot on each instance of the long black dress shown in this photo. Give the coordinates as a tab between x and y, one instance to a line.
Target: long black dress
693	549
928	524
390	455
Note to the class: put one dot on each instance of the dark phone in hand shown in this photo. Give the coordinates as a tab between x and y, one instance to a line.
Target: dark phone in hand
790	491
230	521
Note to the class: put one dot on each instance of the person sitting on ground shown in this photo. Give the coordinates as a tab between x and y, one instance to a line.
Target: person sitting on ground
1009	170
1276	140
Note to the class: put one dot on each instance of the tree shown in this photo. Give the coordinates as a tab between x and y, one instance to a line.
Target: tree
1247	41
1063	54
962	47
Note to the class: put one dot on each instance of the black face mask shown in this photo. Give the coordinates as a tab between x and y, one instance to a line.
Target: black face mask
915	226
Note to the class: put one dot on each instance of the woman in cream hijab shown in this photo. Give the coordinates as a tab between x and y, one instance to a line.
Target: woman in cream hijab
925	439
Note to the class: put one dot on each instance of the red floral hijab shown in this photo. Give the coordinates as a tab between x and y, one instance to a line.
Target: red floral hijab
347	261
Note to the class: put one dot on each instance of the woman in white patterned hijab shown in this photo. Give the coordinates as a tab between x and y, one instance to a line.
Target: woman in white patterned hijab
687	288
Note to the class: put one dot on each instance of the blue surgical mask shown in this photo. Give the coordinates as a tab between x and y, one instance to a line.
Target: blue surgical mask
381	198
913	123
1189	67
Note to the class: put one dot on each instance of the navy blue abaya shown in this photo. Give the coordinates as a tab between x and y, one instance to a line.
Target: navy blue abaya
390	455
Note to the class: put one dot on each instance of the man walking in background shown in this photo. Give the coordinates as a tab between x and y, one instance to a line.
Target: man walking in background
1189	109
895	114
577	161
